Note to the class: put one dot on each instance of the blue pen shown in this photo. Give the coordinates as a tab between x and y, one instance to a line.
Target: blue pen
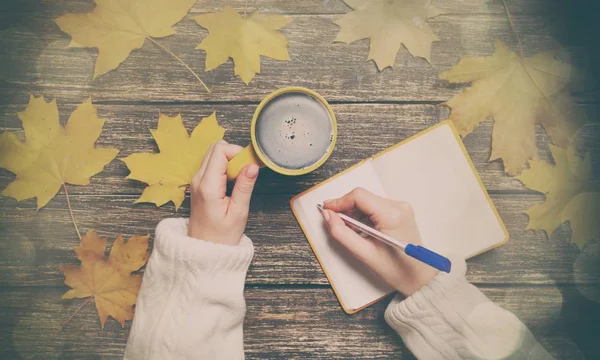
416	251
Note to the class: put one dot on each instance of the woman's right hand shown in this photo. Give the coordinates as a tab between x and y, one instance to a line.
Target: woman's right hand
394	218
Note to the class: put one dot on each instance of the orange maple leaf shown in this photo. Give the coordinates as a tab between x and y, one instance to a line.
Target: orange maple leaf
108	281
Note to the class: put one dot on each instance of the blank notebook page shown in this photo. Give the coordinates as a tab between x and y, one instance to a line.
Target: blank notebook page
434	174
355	286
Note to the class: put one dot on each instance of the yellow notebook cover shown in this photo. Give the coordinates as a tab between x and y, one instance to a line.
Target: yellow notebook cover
433	172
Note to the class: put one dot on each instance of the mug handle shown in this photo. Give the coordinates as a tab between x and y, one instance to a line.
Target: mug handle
245	157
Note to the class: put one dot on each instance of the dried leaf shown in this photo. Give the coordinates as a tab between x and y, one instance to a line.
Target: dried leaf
109	281
53	154
117	27
242	39
389	24
180	157
517	93
571	195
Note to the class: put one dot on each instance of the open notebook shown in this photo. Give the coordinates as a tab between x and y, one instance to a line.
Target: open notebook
433	172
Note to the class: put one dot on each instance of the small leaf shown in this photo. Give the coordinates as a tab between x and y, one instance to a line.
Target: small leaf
571	195
180	157
53	154
108	281
242	39
389	24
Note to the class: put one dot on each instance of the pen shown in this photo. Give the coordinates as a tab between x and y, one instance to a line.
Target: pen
416	251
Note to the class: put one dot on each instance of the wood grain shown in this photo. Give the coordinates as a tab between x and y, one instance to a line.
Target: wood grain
364	130
289	7
292	312
280	323
35	243
339	72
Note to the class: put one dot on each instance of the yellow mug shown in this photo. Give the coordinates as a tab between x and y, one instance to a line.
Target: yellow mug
293	132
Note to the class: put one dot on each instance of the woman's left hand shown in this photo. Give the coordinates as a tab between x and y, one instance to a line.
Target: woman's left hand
214	216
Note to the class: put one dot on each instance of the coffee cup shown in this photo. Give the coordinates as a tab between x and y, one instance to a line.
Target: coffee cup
293	132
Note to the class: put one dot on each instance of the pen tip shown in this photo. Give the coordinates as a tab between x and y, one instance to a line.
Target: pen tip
320	207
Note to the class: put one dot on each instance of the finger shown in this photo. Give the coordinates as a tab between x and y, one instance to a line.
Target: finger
242	190
362	248
215	175
365	201
198	176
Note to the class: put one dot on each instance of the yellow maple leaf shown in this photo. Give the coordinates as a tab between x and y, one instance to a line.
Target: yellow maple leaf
180	157
109	281
242	39
517	93
53	155
571	195
389	24
117	27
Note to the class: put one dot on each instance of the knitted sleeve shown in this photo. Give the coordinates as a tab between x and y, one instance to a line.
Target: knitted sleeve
451	319
191	303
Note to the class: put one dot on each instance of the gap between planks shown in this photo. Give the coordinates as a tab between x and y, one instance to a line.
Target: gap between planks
248	102
584	100
309	286
524	192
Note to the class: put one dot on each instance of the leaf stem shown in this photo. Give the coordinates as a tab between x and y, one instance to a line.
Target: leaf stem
512	25
75	313
71	210
181	61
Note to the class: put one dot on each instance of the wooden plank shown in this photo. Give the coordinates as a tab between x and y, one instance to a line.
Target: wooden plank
51	8
35	243
338	71
280	323
364	130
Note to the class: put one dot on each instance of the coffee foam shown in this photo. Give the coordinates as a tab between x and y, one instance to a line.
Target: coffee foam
294	131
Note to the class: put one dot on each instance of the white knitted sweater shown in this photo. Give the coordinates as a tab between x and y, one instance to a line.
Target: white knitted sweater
191	306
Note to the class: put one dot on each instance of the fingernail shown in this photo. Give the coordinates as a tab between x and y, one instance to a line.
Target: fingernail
326	202
252	171
326	215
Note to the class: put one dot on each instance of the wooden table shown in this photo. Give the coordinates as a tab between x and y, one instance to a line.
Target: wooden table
292	311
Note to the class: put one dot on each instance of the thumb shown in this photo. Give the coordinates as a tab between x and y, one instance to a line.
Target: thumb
242	190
